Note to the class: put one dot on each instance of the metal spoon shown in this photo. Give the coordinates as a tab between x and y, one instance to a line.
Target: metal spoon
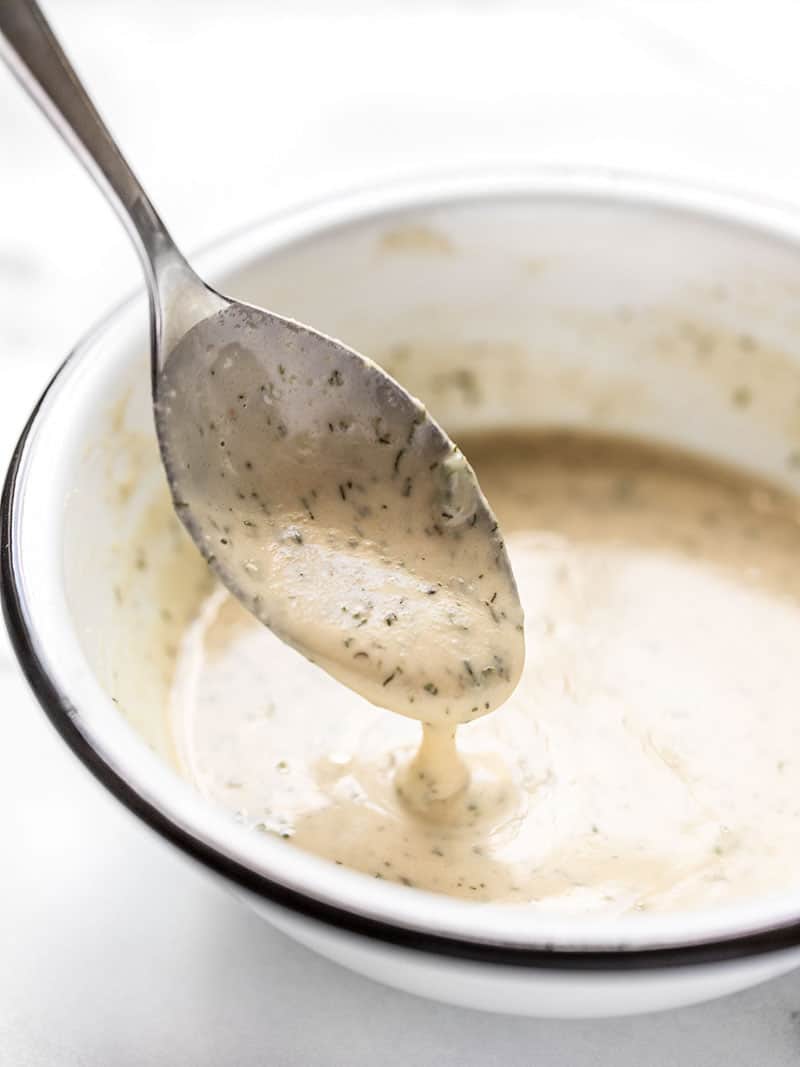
321	493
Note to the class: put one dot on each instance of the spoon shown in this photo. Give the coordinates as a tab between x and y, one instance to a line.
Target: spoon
321	493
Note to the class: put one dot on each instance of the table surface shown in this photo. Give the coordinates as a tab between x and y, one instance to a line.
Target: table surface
113	950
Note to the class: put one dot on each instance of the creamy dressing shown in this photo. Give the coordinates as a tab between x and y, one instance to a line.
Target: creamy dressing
648	758
342	516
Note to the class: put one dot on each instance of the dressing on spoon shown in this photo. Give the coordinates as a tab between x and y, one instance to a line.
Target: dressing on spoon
344	518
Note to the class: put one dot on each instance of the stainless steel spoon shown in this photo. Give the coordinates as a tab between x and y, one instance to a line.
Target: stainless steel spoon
296	464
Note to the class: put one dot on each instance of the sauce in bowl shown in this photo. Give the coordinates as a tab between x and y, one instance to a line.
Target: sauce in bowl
653	736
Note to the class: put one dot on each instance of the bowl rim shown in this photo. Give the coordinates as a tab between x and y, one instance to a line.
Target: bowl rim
712	936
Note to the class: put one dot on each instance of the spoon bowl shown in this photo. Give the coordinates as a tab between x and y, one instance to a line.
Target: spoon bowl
340	513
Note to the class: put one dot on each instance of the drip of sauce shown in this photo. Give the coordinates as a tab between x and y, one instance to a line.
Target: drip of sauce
662	601
436	773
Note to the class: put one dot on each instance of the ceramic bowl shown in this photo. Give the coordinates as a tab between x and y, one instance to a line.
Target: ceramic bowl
553	298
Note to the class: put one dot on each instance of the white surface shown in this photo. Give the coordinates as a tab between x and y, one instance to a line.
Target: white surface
113	951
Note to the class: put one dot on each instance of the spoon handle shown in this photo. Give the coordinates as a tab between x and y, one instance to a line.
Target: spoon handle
34	55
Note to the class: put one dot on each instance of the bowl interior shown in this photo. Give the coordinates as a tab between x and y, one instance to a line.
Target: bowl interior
608	309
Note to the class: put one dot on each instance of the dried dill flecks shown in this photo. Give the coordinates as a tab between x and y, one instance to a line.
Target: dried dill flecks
500	668
471	673
335	378
407	485
418	419
397	458
391	618
623	489
382	435
307	507
429	687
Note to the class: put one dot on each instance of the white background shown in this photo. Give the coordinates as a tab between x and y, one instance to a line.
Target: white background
112	952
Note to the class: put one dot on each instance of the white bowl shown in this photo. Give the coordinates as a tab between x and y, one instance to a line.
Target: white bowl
581	299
